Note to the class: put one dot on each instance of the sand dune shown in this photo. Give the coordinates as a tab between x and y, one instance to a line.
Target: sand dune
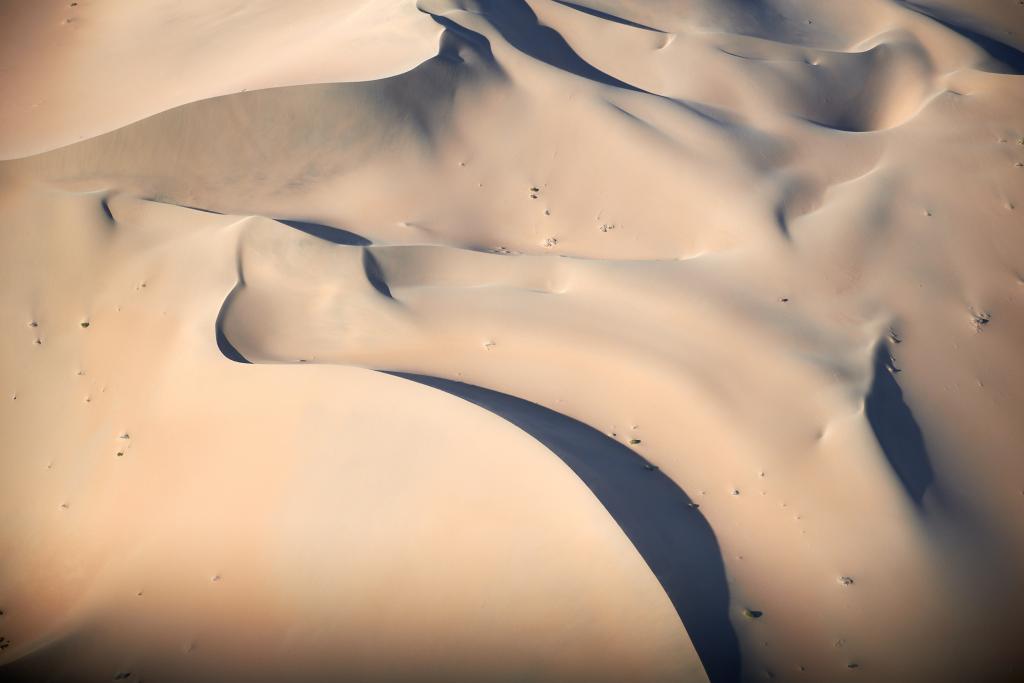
512	340
97	57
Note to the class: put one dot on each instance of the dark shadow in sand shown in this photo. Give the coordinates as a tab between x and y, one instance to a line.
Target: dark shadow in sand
607	17
782	221
326	232
193	208
457	37
898	433
105	206
374	274
517	24
160	200
670	533
520	27
1007	55
225	346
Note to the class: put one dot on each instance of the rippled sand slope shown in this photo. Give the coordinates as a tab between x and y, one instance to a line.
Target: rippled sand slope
512	340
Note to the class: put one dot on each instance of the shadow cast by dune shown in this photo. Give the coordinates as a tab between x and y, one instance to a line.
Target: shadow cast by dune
105	207
607	17
326	232
898	433
457	38
517	23
374	273
662	522
1004	54
160	199
223	343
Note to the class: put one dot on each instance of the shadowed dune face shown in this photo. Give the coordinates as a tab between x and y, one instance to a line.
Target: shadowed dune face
1004	57
660	519
326	232
898	433
517	24
525	340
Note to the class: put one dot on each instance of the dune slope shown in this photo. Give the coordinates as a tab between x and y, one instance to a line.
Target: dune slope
512	340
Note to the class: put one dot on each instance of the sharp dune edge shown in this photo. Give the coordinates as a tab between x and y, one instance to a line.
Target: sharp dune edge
512	340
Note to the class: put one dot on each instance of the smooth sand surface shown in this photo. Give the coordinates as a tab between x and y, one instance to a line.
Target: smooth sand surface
512	340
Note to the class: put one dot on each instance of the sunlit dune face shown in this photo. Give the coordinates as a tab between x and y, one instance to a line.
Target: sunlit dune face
510	341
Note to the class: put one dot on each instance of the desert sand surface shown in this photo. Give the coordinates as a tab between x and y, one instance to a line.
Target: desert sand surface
512	340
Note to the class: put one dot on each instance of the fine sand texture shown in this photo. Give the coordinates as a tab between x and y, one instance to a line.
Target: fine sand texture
511	341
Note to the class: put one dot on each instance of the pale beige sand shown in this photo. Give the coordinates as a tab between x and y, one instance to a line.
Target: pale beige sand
692	311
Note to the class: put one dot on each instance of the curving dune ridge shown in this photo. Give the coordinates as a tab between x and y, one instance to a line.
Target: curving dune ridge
512	340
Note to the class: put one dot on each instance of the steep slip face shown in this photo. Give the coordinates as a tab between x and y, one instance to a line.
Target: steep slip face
699	324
